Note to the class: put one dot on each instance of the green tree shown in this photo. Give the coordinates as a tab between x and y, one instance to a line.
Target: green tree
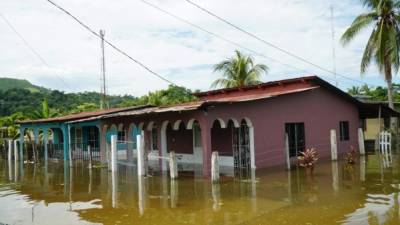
239	71
354	91
384	42
85	107
45	112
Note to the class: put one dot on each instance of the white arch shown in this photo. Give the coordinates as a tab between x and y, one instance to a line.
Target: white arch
141	126
235	122
177	124
113	128
150	125
104	127
164	125
190	123
248	122
221	122
120	127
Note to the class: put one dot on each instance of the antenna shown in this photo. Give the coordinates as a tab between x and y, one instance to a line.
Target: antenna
103	88
333	46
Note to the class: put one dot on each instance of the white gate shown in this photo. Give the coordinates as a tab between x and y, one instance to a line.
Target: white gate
385	147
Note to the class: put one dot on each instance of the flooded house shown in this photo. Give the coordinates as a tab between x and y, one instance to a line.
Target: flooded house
251	127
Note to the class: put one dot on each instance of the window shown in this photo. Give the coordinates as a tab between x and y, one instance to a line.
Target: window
296	136
78	137
93	137
154	139
121	136
344	130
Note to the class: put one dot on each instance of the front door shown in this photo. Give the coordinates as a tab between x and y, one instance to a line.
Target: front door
296	136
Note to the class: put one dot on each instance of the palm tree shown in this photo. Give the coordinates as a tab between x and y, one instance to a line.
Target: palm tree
384	42
45	112
239	71
353	91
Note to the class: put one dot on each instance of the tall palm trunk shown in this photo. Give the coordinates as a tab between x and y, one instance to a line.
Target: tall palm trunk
388	79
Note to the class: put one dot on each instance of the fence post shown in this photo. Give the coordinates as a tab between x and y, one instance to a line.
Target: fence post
90	156
361	141
287	151
113	153
173	167
333	145
10	145
16	158
140	155
214	167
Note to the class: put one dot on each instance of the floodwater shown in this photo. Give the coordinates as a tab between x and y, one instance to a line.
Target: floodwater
364	193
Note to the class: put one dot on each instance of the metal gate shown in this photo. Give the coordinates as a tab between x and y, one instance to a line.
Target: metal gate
241	151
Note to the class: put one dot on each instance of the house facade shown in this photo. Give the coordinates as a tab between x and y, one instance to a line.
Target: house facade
251	127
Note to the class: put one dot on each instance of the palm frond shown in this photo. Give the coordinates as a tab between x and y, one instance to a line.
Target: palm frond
361	22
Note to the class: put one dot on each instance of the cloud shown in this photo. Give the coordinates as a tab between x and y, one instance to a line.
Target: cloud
180	52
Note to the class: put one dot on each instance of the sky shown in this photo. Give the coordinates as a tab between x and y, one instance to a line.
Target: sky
173	49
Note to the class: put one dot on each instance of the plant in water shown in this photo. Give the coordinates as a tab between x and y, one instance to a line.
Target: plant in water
308	158
351	156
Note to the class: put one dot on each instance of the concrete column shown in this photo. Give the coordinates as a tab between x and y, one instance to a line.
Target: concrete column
103	145
129	146
361	141
114	167
333	145
140	156
206	144
164	146
173	167
65	131
10	148
215	167
70	157
89	149
16	151
21	143
287	152
45	142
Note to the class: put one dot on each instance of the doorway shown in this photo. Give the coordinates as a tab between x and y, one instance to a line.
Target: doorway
296	136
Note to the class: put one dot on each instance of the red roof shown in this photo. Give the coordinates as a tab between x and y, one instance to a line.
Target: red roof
82	115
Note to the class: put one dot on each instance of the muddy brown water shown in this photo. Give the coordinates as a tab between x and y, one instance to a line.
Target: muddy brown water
364	193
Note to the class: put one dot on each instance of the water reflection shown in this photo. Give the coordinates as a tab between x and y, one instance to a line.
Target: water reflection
363	193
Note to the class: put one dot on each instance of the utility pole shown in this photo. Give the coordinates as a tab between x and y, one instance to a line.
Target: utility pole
333	46
103	90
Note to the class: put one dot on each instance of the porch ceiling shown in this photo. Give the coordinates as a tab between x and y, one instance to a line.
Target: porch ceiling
371	110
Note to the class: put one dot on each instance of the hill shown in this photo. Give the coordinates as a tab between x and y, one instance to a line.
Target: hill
10	83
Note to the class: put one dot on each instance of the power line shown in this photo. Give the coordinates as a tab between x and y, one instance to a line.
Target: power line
269	43
42	60
112	45
228	40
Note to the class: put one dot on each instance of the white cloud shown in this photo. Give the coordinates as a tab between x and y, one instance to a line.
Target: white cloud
178	51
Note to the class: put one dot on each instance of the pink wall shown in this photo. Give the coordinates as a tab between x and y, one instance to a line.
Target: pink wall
319	109
181	141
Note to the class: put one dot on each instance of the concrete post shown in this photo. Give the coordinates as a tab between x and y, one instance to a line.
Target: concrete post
173	167
333	145
21	144
45	142
10	146
287	151
89	149
16	158
140	155
215	167
71	158
113	153
361	141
